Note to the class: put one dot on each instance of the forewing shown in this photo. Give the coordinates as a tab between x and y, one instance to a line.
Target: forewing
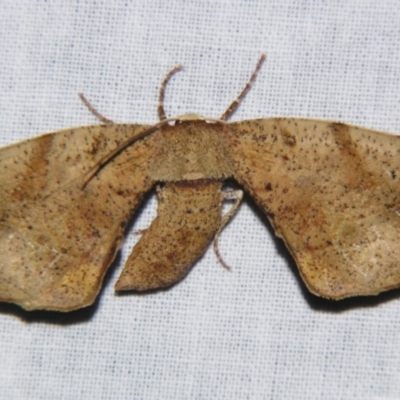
57	238
332	193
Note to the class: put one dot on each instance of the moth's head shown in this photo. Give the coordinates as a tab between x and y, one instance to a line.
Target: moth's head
191	117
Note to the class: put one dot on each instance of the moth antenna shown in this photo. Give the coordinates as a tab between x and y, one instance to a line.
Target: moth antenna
140	232
108	157
160	108
100	117
218	254
235	104
236	195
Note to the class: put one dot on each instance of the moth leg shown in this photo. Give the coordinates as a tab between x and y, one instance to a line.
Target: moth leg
236	195
160	108
235	104
188	218
99	116
140	232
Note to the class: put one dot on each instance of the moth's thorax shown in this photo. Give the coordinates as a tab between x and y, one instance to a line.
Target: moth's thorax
189	150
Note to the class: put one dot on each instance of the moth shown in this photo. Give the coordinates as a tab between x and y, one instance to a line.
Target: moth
330	190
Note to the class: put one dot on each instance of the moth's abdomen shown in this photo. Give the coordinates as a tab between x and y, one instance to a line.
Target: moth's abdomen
188	217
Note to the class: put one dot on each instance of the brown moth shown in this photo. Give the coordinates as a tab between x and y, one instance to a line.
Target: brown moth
330	190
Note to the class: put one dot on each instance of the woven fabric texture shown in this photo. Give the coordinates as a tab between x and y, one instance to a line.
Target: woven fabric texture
254	332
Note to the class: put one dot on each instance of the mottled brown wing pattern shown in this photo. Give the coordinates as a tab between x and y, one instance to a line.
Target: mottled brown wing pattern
57	238
330	190
188	217
332	193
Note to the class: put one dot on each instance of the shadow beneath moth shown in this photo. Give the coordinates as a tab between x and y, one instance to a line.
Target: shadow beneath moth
330	190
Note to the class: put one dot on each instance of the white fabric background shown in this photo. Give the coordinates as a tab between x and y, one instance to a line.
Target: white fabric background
255	332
